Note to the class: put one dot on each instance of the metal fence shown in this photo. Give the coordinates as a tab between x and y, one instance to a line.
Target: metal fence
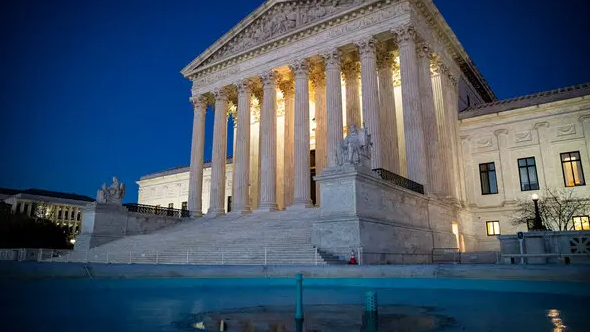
399	180
157	210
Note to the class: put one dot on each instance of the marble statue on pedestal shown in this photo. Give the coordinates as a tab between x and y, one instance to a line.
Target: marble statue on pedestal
355	148
112	194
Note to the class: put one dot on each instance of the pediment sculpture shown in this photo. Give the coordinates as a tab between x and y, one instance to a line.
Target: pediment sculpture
280	20
355	148
113	194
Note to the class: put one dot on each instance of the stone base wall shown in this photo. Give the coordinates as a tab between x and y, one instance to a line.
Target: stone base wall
393	225
104	223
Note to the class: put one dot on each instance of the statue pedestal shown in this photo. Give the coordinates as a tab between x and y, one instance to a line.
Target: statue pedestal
392	224
102	223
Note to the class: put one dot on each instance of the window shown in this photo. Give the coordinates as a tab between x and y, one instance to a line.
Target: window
228	203
185	206
72	215
573	175
18	207
527	169
581	223
26	208
59	214
493	228
79	216
468	101
487	174
171	206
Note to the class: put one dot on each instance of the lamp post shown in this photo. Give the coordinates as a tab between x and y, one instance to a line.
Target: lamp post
537	224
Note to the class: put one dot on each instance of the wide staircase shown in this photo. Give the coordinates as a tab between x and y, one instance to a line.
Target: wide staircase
282	237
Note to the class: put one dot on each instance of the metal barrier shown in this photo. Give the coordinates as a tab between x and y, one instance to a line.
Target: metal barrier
399	180
156	210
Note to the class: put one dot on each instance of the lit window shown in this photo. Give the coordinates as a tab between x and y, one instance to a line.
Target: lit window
493	228
527	169
573	175
487	174
581	223
171	206
185	205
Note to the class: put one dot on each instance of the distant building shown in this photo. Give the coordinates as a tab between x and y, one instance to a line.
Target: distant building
62	208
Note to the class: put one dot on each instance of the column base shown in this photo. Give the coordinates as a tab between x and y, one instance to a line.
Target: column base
212	213
300	206
266	207
195	214
240	211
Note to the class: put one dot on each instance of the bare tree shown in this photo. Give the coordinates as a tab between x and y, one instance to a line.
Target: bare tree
557	207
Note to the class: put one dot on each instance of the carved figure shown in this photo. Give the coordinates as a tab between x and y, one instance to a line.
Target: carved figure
113	194
355	148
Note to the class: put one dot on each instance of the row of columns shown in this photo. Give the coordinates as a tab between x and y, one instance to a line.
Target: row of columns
427	125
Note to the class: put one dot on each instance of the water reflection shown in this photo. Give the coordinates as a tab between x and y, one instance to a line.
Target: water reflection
558	325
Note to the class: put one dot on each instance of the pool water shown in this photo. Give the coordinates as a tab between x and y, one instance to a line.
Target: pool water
171	305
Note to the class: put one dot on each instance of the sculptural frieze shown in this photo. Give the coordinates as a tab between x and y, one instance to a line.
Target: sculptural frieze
113	194
355	148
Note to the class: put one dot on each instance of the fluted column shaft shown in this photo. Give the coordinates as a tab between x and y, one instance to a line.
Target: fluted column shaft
288	88
268	144
351	70
333	106
302	194
388	123
195	187
433	149
457	175
444	139
219	154
370	97
318	80
241	171
413	130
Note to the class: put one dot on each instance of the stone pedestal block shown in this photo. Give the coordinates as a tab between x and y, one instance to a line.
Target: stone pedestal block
391	224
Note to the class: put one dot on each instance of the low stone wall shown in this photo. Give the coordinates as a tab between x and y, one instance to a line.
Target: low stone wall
392	224
104	223
565	247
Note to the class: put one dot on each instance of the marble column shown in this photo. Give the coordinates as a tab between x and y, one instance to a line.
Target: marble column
241	170
413	129
388	123
443	130
302	193
458	186
370	97
351	70
268	144
334	124
219	154
288	88
195	187
433	149
318	81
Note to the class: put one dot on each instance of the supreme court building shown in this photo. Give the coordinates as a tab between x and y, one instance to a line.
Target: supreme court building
294	75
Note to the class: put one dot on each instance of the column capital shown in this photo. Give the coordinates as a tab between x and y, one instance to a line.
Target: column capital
221	94
332	58
385	59
200	102
287	87
366	47
300	67
318	76
405	34
585	118
351	69
423	50
270	78
245	86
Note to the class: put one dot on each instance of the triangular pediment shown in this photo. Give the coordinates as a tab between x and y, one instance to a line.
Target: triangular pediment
273	20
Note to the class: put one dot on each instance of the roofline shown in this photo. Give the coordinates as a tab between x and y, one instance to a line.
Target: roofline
533	99
178	170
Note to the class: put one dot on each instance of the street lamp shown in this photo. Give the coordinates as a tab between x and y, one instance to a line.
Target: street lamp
537	224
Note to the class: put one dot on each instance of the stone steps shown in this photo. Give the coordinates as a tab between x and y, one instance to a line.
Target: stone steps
229	239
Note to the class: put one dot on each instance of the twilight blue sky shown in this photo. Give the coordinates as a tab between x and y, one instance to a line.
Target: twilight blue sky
91	89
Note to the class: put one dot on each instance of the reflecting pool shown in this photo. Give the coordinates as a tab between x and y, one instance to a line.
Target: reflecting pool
260	304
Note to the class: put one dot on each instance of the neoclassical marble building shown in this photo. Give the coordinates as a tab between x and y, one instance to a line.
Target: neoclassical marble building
295	74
